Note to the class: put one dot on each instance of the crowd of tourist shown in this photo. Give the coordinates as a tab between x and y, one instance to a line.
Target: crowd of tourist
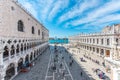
93	60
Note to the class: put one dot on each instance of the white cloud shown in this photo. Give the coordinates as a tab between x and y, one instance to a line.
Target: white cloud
95	15
106	19
58	6
42	8
78	9
99	24
47	5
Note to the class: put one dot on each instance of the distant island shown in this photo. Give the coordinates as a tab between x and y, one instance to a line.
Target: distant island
58	40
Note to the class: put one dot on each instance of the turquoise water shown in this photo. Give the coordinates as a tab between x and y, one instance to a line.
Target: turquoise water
61	41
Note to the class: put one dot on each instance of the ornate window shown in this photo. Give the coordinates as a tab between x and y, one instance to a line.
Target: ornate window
101	41
97	50
17	50
97	41
12	50
87	48
27	45
38	32
20	26
90	40
33	30
93	49
12	8
21	47
93	40
90	48
5	53
24	46
102	52
108	42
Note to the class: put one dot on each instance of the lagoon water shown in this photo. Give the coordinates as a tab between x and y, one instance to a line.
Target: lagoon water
60	41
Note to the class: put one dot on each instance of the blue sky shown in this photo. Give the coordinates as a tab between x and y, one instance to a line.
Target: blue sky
64	18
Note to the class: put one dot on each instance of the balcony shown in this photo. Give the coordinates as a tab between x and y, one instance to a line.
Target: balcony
23	53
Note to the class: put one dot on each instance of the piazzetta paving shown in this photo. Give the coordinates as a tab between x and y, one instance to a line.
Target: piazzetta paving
60	64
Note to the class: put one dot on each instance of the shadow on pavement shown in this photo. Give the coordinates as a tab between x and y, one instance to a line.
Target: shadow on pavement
78	71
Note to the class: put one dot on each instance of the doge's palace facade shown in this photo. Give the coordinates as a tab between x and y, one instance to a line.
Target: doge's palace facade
103	47
22	38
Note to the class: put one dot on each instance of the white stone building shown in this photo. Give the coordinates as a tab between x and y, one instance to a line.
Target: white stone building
22	38
103	47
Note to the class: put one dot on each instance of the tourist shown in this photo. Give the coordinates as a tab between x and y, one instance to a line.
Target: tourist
62	57
70	63
61	65
81	73
103	63
54	67
63	74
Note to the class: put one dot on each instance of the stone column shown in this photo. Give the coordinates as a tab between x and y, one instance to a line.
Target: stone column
111	53
104	52
2	72
115	73
2	75
91	49
105	42
33	56
16	65
96	50
9	56
29	57
24	60
15	51
1	57
99	51
19	50
23	52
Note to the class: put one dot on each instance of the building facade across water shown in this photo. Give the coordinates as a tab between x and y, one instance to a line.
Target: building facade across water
22	38
105	45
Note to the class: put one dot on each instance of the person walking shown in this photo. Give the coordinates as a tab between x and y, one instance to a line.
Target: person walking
81	73
60	65
62	57
70	63
63	74
103	63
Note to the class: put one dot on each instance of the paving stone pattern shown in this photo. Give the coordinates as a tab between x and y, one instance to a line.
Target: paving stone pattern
38	71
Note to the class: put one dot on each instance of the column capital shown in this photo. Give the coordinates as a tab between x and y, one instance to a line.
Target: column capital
1	68
1	51
1	57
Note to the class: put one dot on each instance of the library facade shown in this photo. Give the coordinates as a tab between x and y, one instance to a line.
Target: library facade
103	47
